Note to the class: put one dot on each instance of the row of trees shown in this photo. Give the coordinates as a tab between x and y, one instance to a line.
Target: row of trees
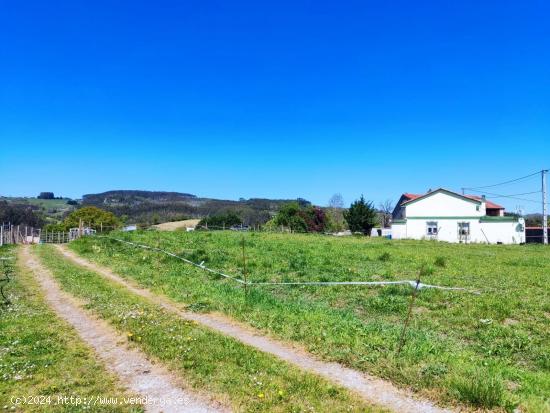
20	214
302	216
361	217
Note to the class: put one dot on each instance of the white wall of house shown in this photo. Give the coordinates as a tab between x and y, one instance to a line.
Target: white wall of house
443	204
492	232
512	232
399	230
457	220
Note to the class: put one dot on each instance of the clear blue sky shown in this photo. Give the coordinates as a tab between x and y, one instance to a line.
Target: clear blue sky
293	99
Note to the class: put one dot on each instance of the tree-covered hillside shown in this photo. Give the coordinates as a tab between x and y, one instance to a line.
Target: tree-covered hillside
151	207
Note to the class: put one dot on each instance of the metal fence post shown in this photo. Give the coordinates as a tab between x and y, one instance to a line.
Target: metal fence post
244	268
409	314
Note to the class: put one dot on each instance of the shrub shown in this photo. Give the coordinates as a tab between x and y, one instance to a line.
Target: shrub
440	261
481	390
301	218
426	270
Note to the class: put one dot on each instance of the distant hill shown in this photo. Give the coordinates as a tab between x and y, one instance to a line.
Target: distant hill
153	207
132	197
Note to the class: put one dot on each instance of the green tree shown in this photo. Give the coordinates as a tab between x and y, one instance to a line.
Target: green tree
220	221
361	216
91	217
289	216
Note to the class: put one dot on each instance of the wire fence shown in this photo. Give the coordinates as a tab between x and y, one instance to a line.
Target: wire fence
415	284
7	272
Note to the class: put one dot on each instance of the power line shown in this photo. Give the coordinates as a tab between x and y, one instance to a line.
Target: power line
523	193
505	182
510	196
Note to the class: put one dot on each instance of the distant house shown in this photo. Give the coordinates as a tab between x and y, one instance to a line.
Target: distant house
448	216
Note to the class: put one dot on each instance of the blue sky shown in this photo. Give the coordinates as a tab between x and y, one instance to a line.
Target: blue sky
280	100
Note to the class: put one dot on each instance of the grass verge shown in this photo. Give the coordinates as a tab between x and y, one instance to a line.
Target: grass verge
42	358
243	377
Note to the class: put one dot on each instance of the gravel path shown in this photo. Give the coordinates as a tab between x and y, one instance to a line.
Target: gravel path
162	389
372	389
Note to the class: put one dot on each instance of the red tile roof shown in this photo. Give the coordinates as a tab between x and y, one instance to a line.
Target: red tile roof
488	204
411	196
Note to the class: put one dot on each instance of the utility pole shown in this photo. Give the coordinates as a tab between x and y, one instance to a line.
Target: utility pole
544	172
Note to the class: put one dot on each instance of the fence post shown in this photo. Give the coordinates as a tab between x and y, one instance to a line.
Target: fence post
244	269
409	314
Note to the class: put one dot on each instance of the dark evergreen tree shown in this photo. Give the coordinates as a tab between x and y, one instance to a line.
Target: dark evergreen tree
361	216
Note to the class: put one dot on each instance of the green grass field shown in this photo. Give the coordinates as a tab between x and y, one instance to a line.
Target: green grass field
490	350
40	355
242	377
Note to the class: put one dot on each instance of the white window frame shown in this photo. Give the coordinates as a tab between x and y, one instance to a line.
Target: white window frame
432	228
460	228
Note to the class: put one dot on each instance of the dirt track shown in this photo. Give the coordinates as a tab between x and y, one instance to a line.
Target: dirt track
371	389
133	369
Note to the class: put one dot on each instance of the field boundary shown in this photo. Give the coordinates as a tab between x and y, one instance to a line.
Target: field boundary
370	388
414	284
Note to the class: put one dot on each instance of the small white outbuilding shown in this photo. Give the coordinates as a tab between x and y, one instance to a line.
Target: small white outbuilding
445	215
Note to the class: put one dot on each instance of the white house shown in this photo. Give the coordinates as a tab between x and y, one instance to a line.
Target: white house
448	216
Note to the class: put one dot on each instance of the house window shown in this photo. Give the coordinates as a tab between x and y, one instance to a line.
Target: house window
477	207
431	228
464	229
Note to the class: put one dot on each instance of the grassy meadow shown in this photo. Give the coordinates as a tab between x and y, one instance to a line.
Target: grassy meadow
485	351
236	374
40	355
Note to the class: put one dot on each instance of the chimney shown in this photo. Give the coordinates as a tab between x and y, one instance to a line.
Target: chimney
483	198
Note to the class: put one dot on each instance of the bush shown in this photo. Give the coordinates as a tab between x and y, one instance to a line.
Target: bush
441	261
335	221
301	218
481	390
426	270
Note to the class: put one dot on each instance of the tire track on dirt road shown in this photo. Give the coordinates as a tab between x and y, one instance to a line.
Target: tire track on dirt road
152	381
370	388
